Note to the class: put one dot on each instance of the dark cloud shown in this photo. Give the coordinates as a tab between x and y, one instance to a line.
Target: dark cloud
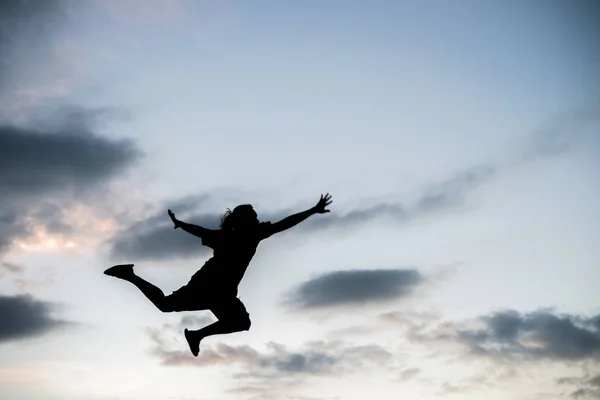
35	163
42	172
354	287
315	361
24	317
162	242
540	334
154	238
511	335
504	345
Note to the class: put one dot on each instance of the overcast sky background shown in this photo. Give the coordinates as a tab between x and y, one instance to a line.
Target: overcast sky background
460	142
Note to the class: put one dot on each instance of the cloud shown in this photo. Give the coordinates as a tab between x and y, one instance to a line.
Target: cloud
408	374
162	242
453	191
10	269
502	349
565	131
586	387
512	335
354	287
268	370
23	317
155	239
35	163
539	334
43	172
314	358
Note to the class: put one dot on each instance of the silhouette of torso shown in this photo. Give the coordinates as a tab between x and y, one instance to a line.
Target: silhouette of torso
233	251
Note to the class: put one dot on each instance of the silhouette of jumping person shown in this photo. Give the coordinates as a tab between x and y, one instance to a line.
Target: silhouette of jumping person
215	286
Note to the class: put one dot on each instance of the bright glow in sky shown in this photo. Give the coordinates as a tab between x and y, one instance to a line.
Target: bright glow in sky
460	142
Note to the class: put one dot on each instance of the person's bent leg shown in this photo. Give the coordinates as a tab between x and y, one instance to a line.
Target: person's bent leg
152	293
232	316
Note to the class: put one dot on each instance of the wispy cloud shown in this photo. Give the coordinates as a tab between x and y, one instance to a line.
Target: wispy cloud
276	366
315	358
155	239
566	131
10	269
586	387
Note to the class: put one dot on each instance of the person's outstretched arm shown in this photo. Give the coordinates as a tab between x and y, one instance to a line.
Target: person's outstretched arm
295	219
195	230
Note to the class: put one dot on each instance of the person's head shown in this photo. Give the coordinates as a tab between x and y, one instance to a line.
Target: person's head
242	216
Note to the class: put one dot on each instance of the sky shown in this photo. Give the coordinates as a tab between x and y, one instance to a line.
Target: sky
460	142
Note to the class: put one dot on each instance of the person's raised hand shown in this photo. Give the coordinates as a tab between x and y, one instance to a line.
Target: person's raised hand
323	202
176	222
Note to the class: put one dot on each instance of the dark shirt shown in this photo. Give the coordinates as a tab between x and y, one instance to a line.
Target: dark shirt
232	252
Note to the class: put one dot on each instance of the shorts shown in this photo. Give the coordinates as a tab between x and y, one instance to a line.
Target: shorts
224	304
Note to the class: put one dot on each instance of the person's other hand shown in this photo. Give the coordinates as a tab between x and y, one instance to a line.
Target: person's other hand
176	222
323	202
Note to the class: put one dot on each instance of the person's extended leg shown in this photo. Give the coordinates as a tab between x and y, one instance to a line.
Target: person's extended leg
153	293
232	317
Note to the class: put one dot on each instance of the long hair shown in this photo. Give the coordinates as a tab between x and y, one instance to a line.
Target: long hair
229	219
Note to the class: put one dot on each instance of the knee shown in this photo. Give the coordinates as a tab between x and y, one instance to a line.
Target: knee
241	323
165	307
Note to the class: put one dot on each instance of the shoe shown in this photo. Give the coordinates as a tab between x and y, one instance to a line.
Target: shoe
122	271
193	342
